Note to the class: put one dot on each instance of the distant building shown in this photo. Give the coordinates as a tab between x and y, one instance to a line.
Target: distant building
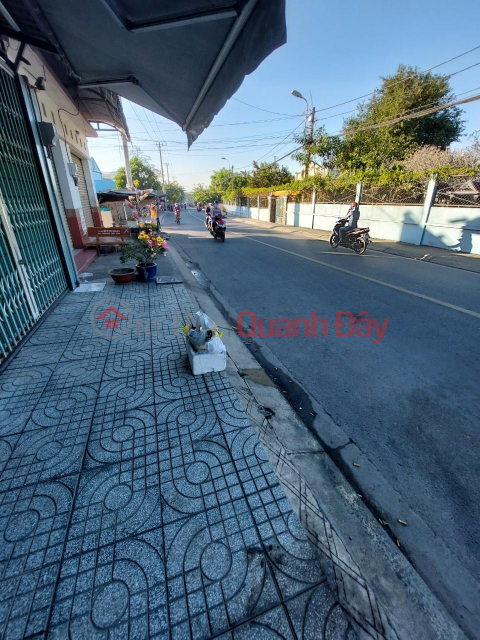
101	183
315	170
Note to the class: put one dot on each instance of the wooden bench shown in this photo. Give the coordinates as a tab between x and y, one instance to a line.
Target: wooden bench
107	236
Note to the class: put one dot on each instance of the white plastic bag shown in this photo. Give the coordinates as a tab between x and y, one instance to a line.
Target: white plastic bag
205	322
215	345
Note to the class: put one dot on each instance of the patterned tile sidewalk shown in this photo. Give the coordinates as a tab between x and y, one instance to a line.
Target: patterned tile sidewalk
136	500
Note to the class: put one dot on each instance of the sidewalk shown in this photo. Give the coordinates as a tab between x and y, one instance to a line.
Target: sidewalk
466	261
136	500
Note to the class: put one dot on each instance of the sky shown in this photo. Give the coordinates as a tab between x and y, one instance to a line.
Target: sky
335	52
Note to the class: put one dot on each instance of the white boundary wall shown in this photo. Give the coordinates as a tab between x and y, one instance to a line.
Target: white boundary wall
454	228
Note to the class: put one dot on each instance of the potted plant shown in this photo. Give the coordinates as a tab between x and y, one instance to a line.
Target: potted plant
122	275
144	251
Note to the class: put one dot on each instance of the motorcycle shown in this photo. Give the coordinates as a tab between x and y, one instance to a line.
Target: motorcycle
217	227
177	216
355	239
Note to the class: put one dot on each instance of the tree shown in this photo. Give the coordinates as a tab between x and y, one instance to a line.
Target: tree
321	145
142	170
266	174
199	193
174	191
222	181
404	92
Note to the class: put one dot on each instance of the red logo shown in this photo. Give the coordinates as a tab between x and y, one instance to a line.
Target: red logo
111	322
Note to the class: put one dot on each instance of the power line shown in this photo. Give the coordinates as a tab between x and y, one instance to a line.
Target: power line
340	104
277	145
387	123
288	115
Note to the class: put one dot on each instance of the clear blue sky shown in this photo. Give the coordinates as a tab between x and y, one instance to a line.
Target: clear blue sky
336	51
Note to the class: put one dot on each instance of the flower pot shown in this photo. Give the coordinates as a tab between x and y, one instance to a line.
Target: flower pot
146	272
122	275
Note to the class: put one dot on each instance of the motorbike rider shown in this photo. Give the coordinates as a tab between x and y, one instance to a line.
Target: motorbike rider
216	213
176	208
351	219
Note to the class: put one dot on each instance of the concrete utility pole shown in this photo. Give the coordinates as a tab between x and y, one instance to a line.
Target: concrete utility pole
128	169
159	145
231	177
167	164
297	94
310	140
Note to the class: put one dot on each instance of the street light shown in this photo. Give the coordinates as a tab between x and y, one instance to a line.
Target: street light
297	94
231	181
311	119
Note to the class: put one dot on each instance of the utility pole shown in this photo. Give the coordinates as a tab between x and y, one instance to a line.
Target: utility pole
159	145
128	169
231	178
310	141
167	164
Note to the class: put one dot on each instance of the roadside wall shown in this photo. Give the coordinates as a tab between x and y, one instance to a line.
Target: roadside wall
454	228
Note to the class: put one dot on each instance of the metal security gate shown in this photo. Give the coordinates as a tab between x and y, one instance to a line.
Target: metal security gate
31	272
280	208
82	190
58	193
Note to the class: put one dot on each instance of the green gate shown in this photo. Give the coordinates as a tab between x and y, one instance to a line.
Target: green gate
31	272
280	209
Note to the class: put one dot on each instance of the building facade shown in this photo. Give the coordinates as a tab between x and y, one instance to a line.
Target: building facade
47	192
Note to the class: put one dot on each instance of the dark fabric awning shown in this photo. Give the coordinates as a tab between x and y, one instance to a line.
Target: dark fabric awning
118	195
183	59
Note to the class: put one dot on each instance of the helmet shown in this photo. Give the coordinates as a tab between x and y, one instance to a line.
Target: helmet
216	202
354	204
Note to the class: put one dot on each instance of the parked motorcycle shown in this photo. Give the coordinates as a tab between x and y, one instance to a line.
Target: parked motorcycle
355	239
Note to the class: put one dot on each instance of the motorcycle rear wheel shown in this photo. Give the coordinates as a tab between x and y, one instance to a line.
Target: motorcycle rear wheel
222	235
334	241
360	245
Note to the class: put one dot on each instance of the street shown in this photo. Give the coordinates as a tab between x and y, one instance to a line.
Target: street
411	401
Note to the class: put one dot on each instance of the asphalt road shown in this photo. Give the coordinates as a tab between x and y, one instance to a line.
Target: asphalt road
411	402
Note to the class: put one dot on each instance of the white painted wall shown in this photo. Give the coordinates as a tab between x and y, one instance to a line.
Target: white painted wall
400	223
246	212
455	228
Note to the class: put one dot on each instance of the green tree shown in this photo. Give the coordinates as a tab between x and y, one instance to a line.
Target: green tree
142	170
174	191
267	174
404	92
202	193
322	147
223	182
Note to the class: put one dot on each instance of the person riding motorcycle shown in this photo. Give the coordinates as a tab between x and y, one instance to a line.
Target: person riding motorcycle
216	213
351	219
176	209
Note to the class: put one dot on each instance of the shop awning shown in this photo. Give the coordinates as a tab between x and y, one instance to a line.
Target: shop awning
183	59
119	195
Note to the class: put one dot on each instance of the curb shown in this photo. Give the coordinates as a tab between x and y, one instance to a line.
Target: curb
375	583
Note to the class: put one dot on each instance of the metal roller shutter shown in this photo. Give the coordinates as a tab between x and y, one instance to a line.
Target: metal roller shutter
82	189
31	271
58	193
